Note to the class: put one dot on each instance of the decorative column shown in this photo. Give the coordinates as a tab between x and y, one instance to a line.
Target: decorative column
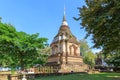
66	47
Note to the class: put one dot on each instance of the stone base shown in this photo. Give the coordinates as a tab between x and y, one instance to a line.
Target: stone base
73	68
66	68
67	64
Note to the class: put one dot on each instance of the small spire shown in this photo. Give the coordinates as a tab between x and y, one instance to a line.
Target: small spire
64	16
64	10
64	22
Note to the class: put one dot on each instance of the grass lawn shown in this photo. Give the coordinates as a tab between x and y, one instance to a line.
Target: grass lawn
100	76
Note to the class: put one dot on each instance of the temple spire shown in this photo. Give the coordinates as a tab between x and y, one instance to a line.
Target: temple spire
64	16
64	22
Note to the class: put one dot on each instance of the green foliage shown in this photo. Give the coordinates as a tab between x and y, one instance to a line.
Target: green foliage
101	19
45	52
113	59
88	56
7	33
19	48
90	59
84	47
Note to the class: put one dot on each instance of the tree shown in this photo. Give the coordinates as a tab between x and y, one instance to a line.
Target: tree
88	56
27	49
101	19
19	48
44	54
7	34
84	47
113	59
90	59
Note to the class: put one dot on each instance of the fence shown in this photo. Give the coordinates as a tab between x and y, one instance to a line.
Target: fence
46	69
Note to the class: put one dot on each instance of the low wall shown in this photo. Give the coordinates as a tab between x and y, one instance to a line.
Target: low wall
3	77
33	76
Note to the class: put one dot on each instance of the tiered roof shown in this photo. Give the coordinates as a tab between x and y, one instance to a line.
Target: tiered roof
64	33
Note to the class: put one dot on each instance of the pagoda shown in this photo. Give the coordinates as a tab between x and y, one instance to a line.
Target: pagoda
65	51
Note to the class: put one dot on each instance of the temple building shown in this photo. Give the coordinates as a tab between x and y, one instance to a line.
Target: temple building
65	51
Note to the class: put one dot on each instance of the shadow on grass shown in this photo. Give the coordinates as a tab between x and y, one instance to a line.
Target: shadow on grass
101	76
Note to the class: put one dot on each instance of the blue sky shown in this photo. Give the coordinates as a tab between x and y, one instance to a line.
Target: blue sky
42	16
